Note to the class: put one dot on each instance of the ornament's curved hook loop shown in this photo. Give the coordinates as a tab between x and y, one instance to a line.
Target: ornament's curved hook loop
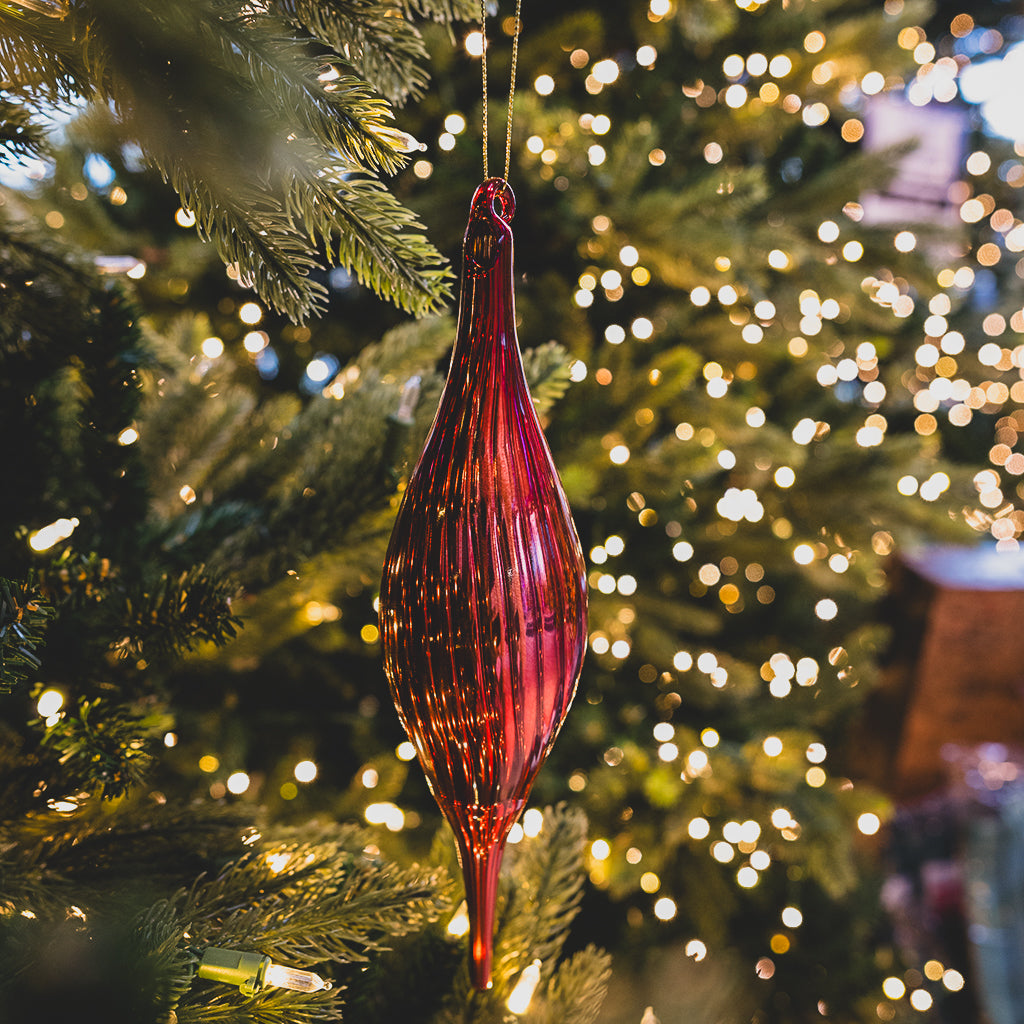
502	198
488	230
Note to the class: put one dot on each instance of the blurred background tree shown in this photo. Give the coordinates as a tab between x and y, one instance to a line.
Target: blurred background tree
774	351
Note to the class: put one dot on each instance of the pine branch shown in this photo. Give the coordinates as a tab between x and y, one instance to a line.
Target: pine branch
542	885
547	372
542	905
324	204
37	309
159	929
859	173
250	227
63	765
21	138
150	952
275	1006
403	351
225	101
36	65
372	234
441	10
178	613
666	223
384	50
338	110
104	855
26	774
68	463
74	580
353	905
287	488
164	842
23	620
159	617
576	993
105	745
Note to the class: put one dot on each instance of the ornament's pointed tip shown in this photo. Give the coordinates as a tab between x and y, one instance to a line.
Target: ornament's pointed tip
481	973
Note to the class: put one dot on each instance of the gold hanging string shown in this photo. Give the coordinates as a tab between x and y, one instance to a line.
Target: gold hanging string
512	87
512	82
483	76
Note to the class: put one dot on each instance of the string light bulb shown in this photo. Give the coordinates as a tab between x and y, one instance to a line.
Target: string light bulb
519	998
396	139
54	533
253	972
459	924
51	8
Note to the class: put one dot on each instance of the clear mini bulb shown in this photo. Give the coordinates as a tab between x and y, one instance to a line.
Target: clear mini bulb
294	979
519	999
51	8
459	924
399	141
410	397
252	972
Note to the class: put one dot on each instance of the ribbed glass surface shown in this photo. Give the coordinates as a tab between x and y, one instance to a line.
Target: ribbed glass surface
483	598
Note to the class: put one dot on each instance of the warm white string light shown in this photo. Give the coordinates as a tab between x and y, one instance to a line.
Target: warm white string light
521	995
51	8
253	972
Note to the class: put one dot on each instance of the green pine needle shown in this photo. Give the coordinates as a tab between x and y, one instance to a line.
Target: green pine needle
21	138
543	904
577	991
105	745
23	620
354	905
276	160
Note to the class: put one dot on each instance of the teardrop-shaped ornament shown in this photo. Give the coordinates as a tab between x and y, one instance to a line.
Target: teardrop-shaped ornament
483	600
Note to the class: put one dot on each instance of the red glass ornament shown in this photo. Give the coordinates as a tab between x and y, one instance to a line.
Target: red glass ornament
483	597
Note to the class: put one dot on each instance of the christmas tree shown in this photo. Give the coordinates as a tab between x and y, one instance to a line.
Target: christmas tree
758	387
121	893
